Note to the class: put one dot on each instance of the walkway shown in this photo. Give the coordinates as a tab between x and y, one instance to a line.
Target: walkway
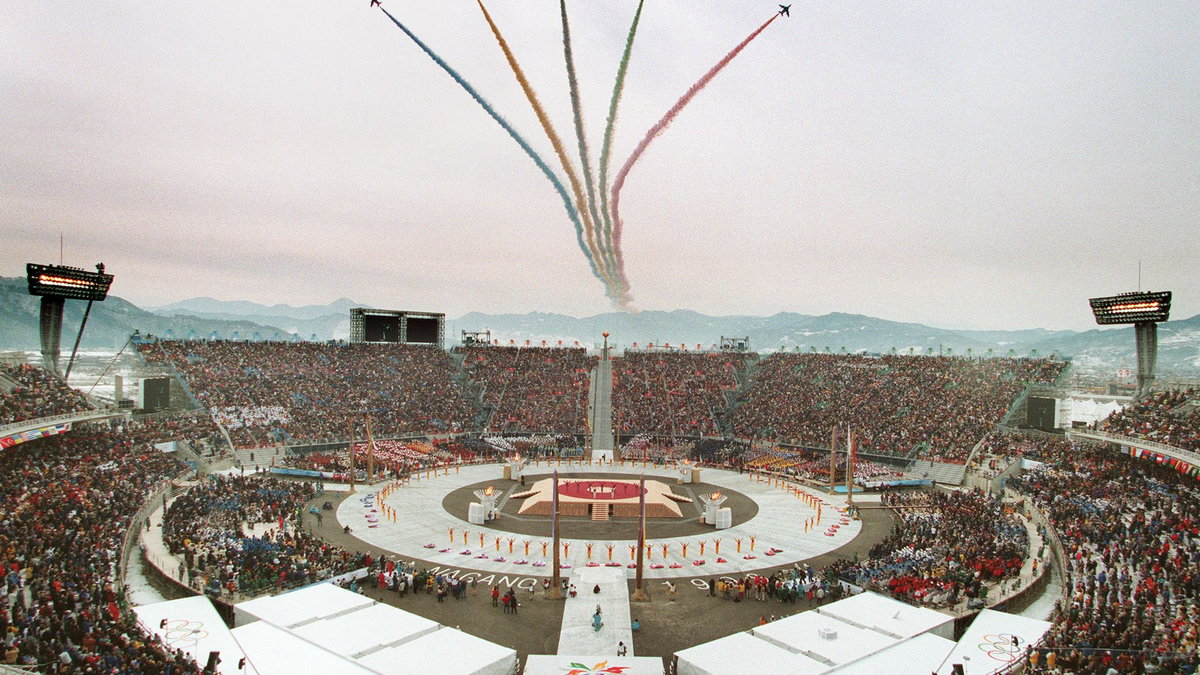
578	637
600	399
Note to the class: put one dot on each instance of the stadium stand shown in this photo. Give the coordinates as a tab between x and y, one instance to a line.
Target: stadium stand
532	389
672	392
1170	417
946	546
210	528
1129	529
35	393
67	502
936	406
268	392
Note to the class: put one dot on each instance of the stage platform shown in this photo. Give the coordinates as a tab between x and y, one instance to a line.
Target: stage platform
411	522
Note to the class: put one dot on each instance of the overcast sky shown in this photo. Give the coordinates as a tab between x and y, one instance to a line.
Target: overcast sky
960	164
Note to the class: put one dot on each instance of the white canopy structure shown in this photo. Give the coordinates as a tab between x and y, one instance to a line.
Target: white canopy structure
919	655
444	651
327	629
271	650
994	640
367	630
301	606
890	616
743	653
193	625
865	634
824	638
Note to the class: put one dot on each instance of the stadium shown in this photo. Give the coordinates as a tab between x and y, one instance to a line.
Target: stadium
730	509
893	442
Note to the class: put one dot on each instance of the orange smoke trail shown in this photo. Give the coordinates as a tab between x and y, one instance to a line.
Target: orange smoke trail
572	177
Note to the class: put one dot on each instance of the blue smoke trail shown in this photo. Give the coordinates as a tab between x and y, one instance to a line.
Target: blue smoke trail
562	191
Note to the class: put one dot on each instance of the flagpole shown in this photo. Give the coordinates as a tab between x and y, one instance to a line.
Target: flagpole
833	460
555	578
351	454
639	593
851	450
370	453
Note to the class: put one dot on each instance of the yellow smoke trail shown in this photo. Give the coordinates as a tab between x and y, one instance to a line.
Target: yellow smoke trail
572	177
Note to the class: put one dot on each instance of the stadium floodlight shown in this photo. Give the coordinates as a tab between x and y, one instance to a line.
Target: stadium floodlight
59	281
56	284
1136	307
1143	309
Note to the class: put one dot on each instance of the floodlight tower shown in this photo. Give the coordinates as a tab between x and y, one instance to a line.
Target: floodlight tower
55	284
1143	309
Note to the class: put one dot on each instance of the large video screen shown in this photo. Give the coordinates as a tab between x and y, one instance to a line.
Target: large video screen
381	328
1041	413
424	331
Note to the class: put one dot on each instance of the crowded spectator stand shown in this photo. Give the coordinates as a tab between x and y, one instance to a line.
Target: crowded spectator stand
529	388
946	546
239	535
1128	530
69	502
939	406
33	393
267	393
673	392
1168	417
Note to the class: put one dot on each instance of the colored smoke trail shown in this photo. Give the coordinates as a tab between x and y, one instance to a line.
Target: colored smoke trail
558	186
581	138
656	130
618	89
556	143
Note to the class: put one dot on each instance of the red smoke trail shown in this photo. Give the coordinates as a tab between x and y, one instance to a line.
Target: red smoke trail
654	132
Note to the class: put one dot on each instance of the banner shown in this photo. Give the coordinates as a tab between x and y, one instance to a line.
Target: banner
34	434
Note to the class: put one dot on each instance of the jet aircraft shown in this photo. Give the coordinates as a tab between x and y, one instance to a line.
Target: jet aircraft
783	9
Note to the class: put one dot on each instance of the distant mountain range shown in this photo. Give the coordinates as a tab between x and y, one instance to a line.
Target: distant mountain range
1096	351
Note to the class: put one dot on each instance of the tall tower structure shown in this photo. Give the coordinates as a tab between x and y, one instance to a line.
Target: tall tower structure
1145	310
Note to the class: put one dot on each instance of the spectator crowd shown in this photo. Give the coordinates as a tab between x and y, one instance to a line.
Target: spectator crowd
67	503
240	534
673	392
946	546
32	392
1163	417
270	392
935	406
532	389
1131	537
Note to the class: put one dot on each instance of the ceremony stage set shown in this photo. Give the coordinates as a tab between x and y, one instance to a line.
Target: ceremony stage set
792	523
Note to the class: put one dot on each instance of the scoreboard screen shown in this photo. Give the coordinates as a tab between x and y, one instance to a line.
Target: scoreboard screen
422	331
1138	307
381	328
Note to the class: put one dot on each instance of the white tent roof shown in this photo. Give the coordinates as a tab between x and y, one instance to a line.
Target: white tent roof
304	605
800	633
193	625
988	645
743	653
887	615
444	651
274	651
537	664
365	630
919	655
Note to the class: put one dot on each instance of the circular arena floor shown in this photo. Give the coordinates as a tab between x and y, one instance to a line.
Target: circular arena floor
419	520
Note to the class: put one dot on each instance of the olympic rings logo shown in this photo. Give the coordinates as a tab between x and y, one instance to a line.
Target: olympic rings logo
184	632
1001	646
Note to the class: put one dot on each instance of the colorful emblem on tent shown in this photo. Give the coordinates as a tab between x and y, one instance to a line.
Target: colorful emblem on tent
602	667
